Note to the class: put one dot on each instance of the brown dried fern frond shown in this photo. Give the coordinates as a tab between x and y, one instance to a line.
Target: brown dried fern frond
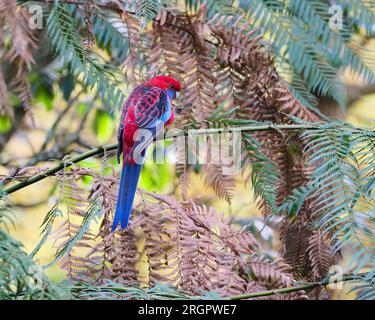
272	101
74	237
187	57
321	255
223	184
272	276
22	38
5	108
269	100
75	199
295	242
195	249
22	42
134	57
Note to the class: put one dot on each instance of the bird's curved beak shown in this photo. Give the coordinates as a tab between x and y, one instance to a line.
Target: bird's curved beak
177	94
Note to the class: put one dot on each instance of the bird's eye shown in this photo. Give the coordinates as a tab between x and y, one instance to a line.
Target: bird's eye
172	86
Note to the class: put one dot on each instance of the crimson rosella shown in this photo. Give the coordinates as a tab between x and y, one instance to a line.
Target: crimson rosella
149	107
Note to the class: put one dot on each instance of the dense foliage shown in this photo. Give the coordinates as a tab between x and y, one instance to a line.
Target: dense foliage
259	68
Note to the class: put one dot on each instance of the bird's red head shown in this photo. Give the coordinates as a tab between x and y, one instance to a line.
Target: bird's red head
165	82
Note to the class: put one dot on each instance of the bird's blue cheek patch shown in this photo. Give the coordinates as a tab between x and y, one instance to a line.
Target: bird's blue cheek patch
171	93
168	112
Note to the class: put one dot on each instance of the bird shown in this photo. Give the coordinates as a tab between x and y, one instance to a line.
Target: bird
147	109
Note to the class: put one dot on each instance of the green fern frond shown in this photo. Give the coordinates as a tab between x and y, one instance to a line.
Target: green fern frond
221	118
288	37
264	175
293	203
47	225
361	12
340	52
93	211
6	212
112	33
364	287
20	277
147	9
344	162
112	290
67	43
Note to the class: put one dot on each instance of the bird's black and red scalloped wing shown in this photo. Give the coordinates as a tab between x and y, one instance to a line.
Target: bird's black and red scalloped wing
150	105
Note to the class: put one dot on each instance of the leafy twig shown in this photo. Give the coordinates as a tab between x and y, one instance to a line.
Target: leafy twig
307	286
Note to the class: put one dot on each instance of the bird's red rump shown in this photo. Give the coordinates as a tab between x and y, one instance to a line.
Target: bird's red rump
170	120
130	131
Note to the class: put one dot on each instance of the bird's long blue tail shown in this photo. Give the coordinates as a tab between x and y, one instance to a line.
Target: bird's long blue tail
128	185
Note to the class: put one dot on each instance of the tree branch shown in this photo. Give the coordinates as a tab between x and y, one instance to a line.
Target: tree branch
307	286
170	134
